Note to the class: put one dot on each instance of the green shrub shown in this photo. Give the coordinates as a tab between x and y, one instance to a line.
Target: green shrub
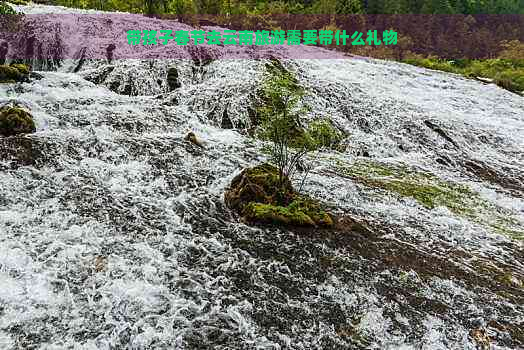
5	9
324	134
280	113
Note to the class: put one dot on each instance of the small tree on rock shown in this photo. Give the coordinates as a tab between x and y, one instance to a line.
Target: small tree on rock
280	121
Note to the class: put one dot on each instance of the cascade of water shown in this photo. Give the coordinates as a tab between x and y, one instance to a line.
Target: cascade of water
114	233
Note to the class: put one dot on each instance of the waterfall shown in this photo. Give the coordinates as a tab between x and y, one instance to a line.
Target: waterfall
114	232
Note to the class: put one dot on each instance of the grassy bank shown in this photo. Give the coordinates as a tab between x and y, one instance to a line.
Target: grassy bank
506	73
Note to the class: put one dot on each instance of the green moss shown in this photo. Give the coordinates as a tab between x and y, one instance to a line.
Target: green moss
504	226
427	190
260	184
431	192
325	134
301	212
507	279
14	121
272	214
14	73
506	73
22	68
431	195
372	169
259	195
312	209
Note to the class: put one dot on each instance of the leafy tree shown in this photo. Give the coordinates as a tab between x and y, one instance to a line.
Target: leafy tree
396	6
437	7
280	124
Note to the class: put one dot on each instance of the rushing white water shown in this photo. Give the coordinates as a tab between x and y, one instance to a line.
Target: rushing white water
115	236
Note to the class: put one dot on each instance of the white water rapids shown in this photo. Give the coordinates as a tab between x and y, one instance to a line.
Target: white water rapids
115	235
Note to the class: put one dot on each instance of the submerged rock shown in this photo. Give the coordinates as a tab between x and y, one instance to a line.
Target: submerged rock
17	151
15	121
226	122
440	132
99	76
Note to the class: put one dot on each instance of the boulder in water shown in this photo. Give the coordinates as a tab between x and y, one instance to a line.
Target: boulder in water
191	137
14	73
15	121
172	79
226	122
259	184
260	197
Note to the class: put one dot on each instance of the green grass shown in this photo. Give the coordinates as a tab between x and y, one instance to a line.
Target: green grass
506	73
430	192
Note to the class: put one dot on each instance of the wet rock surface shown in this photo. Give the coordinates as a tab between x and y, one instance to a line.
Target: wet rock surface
172	78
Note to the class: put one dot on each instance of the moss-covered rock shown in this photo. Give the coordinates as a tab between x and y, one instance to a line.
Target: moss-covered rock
259	196
9	73
22	68
259	184
302	211
275	214
15	121
312	209
14	73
